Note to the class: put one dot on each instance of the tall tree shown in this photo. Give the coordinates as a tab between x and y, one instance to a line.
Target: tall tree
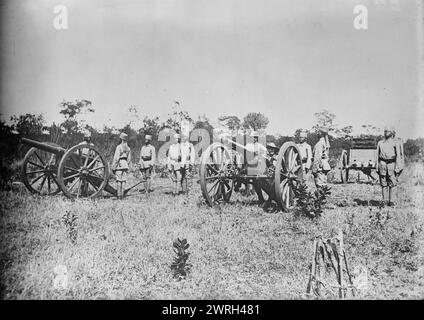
255	121
72	125
177	117
324	118
231	122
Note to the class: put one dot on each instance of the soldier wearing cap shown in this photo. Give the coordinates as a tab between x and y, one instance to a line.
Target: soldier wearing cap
147	161
120	164
389	164
256	162
177	161
305	151
320	165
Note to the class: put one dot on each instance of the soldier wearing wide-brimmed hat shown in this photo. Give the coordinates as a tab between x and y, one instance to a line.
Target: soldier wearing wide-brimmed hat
120	164
389	165
147	161
305	150
320	165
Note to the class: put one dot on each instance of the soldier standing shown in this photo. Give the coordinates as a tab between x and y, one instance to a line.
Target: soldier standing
321	166
174	163
256	163
188	156
147	161
389	164
305	152
120	164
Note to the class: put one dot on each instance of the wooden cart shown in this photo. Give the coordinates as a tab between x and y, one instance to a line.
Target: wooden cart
360	157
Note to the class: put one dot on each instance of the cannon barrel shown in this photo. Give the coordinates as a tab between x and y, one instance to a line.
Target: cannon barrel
44	146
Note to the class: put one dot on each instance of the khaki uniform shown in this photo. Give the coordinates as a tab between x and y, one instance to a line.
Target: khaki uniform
306	154
180	156
121	161
147	159
321	166
389	161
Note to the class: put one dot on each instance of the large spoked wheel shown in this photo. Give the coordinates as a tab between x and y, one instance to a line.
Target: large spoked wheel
83	172
288	173
39	172
344	167
216	179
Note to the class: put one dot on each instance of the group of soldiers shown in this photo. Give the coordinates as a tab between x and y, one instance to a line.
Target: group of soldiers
181	157
389	161
179	162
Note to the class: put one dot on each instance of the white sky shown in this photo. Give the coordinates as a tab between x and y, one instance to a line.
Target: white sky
285	58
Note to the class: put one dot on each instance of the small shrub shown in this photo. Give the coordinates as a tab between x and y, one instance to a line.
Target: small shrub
180	267
310	204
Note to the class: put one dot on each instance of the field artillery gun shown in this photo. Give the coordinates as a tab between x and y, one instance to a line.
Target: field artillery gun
79	172
220	171
361	157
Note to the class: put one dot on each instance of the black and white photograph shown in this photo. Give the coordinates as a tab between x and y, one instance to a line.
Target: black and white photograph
213	151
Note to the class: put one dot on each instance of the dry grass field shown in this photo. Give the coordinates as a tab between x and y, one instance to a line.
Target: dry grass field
123	249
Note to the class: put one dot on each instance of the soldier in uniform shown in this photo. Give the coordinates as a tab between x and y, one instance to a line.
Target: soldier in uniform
120	165
174	163
256	163
147	161
321	166
389	164
305	152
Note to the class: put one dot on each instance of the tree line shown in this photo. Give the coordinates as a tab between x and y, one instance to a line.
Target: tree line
69	131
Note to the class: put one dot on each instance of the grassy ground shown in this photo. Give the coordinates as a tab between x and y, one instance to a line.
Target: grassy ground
123	249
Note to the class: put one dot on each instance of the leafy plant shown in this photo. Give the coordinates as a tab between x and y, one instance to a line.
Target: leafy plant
310	204
180	267
70	221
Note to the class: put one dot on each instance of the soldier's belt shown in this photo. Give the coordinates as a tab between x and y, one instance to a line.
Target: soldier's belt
146	158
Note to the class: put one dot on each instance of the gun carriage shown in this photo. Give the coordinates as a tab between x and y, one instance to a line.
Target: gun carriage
220	171
80	171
